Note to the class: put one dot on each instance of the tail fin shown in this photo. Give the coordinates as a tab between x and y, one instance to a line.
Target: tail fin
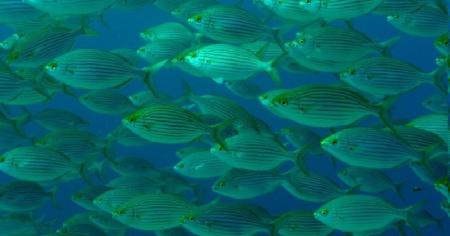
398	189
387	45
409	216
383	110
300	155
437	78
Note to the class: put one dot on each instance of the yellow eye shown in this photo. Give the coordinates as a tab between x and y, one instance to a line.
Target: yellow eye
52	66
198	18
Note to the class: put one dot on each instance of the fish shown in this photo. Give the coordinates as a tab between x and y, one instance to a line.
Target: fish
383	76
369	148
106	222
436	103
300	222
192	7
132	166
330	43
161	51
153	211
247	184
426	21
244	89
93	69
125	137
167	123
325	106
170	31
312	187
107	101
369	180
435	123
67	8
231	219
256	152
54	119
23	196
201	164
86	196
229	24
289	10
330	10
356	213
36	164
391	7
223	62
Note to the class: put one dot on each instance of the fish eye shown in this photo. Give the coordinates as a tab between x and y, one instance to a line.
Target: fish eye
352	72
301	41
120	211
180	166
52	66
193	54
334	142
284	102
308	1
324	212
198	18
221	184
220	148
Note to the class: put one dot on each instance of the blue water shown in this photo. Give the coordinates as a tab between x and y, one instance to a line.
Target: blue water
122	31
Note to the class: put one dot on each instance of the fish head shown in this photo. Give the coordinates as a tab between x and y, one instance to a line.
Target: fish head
197	20
187	218
219	185
396	20
2	159
217	149
330	142
304	42
280	101
143	52
180	167
312	6
193	58
265	99
148	35
322	214
353	74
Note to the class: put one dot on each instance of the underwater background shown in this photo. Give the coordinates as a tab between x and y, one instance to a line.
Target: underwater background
121	28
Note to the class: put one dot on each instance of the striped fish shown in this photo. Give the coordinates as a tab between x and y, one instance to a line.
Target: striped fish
223	62
252	151
141	183
201	164
228	220
12	11
435	123
370	148
289	10
422	140
78	146
107	101
356	213
294	223
247	184
436	103
160	50
368	180
266	50
331	43
22	196
54	119
331	10
93	69
11	136
36	164
106	222
426	21
86	196
125	137
112	199
62	8
18	224
392	7
12	85
170	31
153	211
382	76
38	48
311	187
324	106
133	166
295	52
192	7
166	124
227	24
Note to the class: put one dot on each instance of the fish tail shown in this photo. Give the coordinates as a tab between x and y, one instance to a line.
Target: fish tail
409	216
437	78
300	156
387	45
383	113
217	129
52	195
398	190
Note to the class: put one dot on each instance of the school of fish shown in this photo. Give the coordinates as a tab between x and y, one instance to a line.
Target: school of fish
227	155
